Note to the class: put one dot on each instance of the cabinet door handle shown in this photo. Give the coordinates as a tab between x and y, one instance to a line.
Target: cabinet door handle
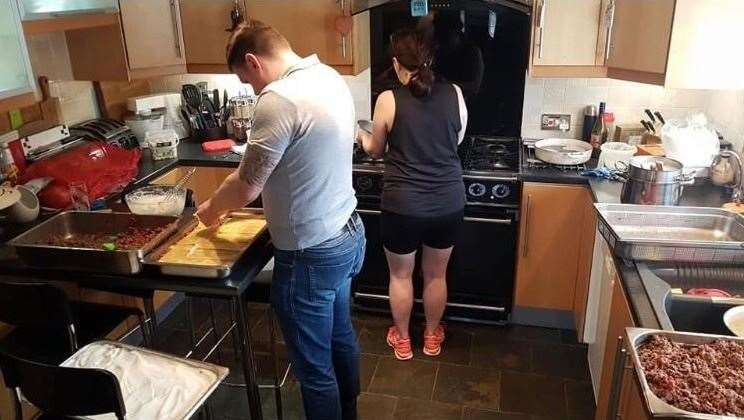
342	5
617	380
176	30
527	212
610	16
541	25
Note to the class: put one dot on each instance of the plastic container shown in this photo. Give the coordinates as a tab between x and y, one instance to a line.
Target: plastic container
614	152
142	124
156	200
163	144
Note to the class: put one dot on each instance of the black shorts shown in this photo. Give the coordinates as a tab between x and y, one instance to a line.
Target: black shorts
405	234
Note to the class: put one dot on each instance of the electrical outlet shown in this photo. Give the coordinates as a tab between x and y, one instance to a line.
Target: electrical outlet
559	122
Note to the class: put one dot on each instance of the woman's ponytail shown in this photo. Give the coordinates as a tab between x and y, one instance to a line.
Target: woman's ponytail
412	51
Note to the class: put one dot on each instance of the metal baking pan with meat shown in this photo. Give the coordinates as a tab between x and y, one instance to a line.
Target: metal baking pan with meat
33	250
672	234
186	225
656	406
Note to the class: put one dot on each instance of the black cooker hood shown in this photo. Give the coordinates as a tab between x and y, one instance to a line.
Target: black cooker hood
358	6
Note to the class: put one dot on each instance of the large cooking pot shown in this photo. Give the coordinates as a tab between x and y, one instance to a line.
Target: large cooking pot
563	151
654	180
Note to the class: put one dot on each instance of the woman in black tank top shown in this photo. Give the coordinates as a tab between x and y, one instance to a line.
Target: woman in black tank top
420	125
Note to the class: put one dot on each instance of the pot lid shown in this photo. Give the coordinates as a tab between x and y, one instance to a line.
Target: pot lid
656	163
8	196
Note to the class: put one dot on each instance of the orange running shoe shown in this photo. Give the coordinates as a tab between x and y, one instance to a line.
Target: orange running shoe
433	342
401	347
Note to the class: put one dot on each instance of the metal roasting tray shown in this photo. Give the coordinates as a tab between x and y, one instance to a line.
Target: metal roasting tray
30	248
186	225
672	234
220	372
656	406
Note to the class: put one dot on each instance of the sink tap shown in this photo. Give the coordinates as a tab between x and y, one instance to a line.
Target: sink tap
729	160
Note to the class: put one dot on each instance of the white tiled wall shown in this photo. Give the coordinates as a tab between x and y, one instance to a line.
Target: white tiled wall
359	86
50	58
627	100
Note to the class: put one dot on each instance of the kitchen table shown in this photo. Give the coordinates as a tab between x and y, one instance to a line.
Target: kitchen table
232	288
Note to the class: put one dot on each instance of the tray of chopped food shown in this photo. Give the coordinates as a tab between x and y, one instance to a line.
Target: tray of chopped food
208	252
92	241
689	375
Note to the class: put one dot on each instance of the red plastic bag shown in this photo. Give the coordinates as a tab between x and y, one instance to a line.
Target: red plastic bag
103	168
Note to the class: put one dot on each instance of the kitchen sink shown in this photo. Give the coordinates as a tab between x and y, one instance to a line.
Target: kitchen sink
681	312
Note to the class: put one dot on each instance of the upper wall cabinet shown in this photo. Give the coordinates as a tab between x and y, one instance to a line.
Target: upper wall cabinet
321	27
46	9
16	80
679	44
146	40
565	38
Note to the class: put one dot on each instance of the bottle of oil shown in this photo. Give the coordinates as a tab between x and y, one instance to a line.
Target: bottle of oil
598	131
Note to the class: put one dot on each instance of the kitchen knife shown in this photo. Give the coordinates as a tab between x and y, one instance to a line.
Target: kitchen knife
648	126
659	117
650	115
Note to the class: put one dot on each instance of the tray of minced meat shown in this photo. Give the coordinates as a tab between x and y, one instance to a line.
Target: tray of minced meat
689	375
93	241
208	252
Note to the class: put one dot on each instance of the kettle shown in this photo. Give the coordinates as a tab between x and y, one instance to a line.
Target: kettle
724	171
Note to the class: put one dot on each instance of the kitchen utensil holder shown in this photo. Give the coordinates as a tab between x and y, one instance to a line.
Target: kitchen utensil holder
215	133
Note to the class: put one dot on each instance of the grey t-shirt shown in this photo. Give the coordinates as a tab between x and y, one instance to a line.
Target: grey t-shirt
306	119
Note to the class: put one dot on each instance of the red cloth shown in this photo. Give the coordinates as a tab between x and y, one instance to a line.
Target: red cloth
103	168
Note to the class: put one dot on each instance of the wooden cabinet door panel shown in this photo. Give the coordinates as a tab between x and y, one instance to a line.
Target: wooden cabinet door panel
641	32
309	25
152	30
568	31
205	24
549	246
620	318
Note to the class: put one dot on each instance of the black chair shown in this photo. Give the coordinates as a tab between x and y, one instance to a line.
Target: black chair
48	326
59	392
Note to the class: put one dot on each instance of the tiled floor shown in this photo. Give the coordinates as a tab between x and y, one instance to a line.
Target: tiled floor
483	373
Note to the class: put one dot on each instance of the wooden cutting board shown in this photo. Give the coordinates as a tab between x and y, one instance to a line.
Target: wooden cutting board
112	96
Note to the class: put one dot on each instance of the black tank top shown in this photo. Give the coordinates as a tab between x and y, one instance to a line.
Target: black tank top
423	175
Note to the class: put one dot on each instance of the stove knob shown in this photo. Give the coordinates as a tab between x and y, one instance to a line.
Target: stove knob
364	183
476	189
500	191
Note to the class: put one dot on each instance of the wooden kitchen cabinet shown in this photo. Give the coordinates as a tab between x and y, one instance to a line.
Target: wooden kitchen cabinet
204	183
309	25
630	403
145	41
566	39
550	245
677	43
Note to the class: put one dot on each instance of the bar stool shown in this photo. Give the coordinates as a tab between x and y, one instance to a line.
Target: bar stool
41	313
88	383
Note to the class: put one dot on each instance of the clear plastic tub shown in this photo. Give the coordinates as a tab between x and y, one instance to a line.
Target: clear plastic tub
158	200
163	144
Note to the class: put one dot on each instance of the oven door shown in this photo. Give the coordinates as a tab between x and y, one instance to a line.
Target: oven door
480	276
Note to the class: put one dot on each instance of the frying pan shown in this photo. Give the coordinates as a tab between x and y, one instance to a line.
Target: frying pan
563	151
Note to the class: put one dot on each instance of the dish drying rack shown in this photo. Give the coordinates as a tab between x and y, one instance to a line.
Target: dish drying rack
532	162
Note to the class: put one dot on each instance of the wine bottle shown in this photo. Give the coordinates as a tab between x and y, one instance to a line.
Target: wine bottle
598	129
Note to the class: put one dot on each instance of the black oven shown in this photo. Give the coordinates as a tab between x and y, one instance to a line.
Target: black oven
480	276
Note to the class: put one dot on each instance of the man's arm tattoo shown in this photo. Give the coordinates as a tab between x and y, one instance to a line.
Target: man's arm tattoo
258	166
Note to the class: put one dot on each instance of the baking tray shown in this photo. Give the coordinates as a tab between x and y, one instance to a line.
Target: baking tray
672	234
656	406
32	252
219	372
196	270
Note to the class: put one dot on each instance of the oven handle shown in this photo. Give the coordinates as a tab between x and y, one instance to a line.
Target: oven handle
467	219
451	304
494	221
361	211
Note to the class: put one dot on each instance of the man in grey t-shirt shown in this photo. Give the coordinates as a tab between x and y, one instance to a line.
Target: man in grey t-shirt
299	159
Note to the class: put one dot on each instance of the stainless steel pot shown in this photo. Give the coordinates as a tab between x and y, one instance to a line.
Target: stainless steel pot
654	180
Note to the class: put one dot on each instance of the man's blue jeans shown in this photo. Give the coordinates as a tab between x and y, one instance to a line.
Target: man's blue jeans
311	295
